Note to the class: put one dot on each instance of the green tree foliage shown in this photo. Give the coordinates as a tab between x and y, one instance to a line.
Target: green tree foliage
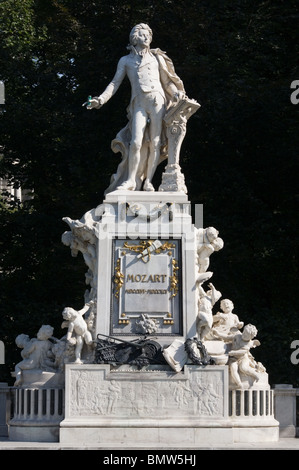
237	58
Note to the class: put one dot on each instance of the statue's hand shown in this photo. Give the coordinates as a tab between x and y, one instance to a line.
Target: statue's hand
91	103
179	95
94	103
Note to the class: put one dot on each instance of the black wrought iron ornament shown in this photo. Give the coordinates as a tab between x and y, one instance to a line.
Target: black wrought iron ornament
141	352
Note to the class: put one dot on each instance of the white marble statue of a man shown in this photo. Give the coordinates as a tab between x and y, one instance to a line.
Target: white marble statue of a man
154	87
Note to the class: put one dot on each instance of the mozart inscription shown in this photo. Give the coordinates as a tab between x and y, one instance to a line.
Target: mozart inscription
142	283
146	282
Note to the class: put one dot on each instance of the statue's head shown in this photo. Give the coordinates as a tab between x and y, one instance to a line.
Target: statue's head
249	332
45	332
134	33
212	233
218	244
22	340
226	305
69	313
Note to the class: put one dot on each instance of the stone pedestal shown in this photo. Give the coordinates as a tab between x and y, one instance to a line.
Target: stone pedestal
145	380
158	407
173	179
154	406
145	285
146	248
38	407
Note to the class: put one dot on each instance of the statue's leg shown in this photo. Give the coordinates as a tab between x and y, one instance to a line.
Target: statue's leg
246	369
156	116
78	349
18	372
138	128
88	338
204	324
234	366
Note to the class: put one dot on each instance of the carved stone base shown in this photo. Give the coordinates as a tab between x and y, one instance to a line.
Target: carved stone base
173	179
152	407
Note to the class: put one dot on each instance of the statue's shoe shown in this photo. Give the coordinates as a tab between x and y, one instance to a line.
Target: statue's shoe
129	185
148	186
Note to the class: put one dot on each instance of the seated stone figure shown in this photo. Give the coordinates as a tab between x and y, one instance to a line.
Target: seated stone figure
36	352
226	323
241	361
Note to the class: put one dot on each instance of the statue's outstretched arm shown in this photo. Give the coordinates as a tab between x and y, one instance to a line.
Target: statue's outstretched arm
85	308
97	102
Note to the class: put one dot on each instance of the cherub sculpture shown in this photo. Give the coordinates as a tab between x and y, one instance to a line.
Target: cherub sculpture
205	304
78	327
241	360
226	323
207	241
36	352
